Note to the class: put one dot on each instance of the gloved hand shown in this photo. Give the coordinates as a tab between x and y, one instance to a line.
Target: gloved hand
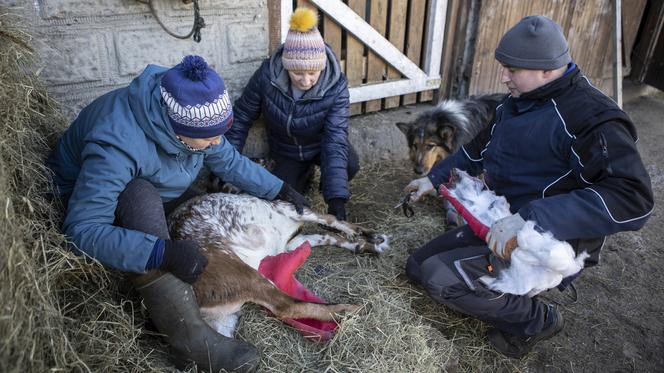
288	194
421	187
502	235
337	207
183	259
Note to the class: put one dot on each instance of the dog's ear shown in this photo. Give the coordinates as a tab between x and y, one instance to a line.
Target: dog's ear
447	135
404	127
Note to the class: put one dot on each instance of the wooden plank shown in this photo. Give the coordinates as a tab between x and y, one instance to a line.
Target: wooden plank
374	91
274	25
415	32
648	53
617	52
376	67
591	31
580	21
355	55
396	36
433	42
453	28
332	36
632	14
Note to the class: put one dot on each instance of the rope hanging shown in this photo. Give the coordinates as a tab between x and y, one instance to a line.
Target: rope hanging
199	23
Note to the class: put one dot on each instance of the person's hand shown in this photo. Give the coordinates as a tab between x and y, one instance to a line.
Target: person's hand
421	187
288	194
183	259
502	235
337	207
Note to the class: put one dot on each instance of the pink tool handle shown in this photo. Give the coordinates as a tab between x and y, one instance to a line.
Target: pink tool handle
475	225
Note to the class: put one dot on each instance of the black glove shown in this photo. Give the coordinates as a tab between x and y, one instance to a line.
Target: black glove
183	259
337	207
289	194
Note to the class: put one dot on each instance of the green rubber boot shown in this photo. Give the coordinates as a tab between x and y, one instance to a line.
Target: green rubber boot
174	311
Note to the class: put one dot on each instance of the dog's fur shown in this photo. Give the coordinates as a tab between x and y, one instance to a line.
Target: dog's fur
437	133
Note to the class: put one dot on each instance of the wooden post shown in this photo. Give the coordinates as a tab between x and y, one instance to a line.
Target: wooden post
414	43
355	55
274	25
397	37
376	69
617	44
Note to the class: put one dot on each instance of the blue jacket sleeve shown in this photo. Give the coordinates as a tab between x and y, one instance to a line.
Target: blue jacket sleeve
246	110
468	158
334	149
618	195
105	172
226	162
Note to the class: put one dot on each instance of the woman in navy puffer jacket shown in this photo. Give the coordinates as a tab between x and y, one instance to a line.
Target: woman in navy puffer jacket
303	97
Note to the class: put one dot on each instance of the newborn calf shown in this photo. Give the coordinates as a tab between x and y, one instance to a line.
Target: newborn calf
236	232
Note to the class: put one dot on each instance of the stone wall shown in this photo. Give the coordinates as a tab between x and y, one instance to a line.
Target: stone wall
90	47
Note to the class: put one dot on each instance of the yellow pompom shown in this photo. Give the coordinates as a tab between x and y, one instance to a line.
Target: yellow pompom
303	19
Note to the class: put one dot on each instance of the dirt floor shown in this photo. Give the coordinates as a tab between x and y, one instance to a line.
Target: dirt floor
615	325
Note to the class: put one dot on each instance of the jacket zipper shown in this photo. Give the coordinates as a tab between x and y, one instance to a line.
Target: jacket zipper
605	152
290	116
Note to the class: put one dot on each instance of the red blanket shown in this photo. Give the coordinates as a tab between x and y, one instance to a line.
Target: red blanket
280	269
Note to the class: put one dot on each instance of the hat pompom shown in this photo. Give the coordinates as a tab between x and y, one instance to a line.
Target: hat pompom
303	19
194	67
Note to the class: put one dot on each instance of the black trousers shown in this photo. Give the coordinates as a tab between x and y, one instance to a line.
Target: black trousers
449	267
298	174
140	208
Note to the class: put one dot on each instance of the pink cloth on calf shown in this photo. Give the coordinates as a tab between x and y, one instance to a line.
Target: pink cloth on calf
280	269
475	225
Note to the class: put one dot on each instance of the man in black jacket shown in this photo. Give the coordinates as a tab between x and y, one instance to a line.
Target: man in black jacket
564	155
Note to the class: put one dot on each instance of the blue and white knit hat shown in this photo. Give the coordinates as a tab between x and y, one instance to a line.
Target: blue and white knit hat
196	99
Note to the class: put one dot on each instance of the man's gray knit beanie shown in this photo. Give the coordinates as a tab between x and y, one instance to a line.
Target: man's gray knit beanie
536	43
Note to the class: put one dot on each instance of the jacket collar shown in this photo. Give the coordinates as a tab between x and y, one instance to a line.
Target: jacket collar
554	88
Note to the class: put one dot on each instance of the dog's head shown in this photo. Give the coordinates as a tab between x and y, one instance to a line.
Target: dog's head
430	141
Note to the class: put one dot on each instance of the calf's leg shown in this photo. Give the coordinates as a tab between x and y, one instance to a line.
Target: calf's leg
228	282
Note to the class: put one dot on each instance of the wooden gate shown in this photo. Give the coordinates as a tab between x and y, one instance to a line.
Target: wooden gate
389	49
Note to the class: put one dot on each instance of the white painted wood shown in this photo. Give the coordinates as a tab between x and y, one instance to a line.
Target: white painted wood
286	11
353	23
375	91
617	48
435	32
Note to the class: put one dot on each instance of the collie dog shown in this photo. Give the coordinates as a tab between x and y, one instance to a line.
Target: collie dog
440	131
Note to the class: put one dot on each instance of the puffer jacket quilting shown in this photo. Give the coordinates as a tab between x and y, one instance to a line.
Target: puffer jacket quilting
317	123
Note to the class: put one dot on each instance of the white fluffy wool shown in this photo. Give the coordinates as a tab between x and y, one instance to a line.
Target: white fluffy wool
540	261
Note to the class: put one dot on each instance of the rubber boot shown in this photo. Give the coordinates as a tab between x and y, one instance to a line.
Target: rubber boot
174	311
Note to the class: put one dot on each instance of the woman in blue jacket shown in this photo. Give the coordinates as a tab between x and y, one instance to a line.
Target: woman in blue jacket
303	96
127	160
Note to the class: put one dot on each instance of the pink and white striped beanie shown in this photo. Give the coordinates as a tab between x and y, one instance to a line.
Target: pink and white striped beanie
304	48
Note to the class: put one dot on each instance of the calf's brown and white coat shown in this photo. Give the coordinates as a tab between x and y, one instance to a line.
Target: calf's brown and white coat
235	233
